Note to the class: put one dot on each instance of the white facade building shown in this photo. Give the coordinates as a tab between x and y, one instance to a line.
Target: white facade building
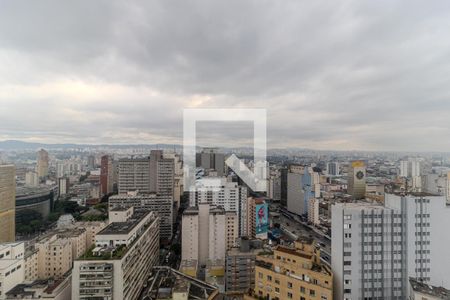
229	195
121	262
207	232
12	266
376	248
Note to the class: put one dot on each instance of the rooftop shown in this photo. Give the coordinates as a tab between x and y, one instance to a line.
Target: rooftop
125	227
424	288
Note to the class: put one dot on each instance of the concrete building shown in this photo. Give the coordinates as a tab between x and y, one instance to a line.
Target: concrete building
63	186
38	199
116	268
134	175
357	179
392	243
7	203
252	230
293	273
43	289
106	175
54	257
91	162
240	267
31	262
31	179
229	195
333	168
313	211
159	203
42	163
212	159
274	188
302	184
207	233
68	167
11	266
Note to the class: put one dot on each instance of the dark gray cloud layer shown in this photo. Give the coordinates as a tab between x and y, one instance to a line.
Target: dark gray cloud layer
332	75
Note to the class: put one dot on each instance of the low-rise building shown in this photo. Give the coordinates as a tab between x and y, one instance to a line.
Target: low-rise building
293	273
11	266
422	291
240	266
42	289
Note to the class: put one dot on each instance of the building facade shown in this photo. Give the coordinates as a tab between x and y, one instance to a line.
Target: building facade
293	273
121	262
7	203
357	179
376	248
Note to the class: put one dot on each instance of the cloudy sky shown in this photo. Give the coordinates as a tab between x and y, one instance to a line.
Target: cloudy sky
369	75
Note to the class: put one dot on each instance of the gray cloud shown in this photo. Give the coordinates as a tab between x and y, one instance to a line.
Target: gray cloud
342	75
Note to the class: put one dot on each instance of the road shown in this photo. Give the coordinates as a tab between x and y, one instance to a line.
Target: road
299	229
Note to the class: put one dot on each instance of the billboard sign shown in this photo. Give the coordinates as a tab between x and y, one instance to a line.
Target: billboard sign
262	220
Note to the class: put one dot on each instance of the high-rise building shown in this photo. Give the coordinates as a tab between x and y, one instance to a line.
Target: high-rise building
357	179
313	211
212	159
31	179
376	248
134	175
63	185
7	203
91	162
333	168
153	174
159	203
293	273
257	218
207	232
121	262
229	195
303	184
106	175
284	186
42	163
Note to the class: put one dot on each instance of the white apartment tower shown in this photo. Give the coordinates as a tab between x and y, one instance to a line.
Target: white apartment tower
229	195
376	248
207	233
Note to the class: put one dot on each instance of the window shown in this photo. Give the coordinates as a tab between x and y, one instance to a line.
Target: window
302	290
289	284
347	226
289	295
312	293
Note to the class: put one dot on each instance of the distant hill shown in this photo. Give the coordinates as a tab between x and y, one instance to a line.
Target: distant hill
21	145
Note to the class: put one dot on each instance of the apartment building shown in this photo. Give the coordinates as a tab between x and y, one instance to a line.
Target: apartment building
293	273
121	261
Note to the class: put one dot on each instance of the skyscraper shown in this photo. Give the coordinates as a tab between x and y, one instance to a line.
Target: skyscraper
7	203
106	175
357	179
42	163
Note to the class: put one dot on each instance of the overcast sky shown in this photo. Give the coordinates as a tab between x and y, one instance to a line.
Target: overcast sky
369	75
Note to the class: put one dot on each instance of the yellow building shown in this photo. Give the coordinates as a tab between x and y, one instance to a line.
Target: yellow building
7	203
293	273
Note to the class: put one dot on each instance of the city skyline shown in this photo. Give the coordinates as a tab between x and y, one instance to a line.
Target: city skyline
348	76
